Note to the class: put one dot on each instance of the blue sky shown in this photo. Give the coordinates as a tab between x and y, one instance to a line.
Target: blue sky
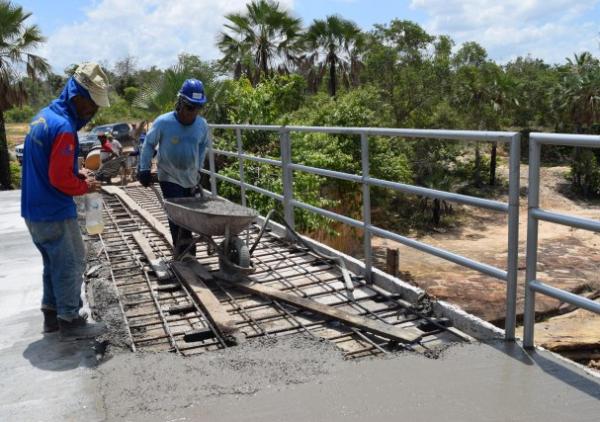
156	31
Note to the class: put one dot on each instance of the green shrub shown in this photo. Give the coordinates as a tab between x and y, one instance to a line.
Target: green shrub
130	93
15	174
118	111
19	114
585	173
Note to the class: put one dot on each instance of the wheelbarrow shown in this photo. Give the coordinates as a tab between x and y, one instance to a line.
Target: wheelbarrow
208	217
111	168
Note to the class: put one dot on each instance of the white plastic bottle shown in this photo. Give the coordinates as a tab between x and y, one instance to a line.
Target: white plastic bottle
93	213
80	204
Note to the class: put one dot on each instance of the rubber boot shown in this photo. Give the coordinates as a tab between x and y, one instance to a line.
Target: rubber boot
79	328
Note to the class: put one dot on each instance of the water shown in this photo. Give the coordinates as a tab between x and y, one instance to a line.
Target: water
95	229
93	213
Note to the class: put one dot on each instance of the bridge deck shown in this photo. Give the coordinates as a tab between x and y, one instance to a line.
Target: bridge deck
44	379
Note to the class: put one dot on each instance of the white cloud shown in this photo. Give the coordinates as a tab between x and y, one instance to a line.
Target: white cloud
549	29
153	31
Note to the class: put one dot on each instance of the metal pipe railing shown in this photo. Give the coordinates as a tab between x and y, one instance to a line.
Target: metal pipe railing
536	214
289	203
512	258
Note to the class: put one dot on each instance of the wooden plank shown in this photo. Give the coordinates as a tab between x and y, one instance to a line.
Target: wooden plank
205	298
158	265
134	206
404	335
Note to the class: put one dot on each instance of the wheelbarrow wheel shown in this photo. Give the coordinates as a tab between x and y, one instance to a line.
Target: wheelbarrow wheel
238	253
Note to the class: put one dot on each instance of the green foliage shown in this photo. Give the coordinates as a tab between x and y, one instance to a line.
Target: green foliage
19	114
118	111
397	75
585	173
535	82
130	93
267	102
580	91
15	174
17	41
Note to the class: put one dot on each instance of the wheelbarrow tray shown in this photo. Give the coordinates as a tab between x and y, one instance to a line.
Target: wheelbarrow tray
111	168
209	216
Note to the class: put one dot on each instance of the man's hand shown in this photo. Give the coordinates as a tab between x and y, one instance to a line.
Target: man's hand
84	174
93	185
145	178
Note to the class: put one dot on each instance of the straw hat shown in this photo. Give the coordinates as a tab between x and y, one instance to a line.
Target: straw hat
92	77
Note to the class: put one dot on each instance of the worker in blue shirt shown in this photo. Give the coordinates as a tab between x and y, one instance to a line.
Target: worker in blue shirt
181	137
50	180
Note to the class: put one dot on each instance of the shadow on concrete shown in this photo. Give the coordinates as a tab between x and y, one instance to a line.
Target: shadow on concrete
564	372
51	354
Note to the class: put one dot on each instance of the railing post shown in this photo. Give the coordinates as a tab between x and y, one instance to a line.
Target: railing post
366	194
238	136
533	200
287	176
513	238
211	163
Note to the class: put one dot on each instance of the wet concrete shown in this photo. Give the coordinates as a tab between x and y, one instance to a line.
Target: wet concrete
475	382
158	386
300	379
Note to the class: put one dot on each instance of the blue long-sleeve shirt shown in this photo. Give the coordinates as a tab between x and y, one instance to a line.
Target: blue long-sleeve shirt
181	149
50	171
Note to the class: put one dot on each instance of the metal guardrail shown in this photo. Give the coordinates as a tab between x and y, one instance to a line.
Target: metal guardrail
289	203
536	214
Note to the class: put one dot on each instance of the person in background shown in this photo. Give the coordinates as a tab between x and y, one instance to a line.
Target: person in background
106	148
115	144
50	180
181	137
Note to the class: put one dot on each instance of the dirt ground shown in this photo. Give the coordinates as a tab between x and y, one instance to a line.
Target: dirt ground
15	134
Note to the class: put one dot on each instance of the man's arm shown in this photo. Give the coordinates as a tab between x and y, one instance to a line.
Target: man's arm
60	170
152	139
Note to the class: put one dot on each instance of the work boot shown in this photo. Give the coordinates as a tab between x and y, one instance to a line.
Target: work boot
50	322
79	328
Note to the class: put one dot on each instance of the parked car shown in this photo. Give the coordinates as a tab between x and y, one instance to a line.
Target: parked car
19	152
88	140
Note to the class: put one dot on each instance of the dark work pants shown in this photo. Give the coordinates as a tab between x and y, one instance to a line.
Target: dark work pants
182	238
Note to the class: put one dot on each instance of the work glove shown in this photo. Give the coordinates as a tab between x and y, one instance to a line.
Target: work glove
145	178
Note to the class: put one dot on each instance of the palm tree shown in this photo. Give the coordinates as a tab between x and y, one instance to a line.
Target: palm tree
338	42
581	91
236	56
16	43
266	32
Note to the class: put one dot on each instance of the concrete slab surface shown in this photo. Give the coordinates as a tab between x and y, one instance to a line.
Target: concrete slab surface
43	379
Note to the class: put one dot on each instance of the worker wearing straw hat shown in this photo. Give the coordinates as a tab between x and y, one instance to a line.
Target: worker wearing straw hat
51	179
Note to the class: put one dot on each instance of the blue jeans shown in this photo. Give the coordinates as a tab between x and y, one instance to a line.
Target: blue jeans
63	254
182	238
